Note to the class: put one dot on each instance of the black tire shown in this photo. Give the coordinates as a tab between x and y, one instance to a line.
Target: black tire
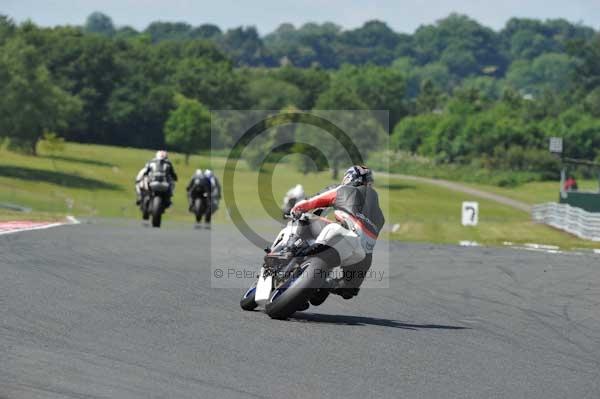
247	302
198	209
157	210
295	293
319	297
145	208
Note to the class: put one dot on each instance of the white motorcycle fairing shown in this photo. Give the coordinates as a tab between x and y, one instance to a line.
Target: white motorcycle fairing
346	242
263	288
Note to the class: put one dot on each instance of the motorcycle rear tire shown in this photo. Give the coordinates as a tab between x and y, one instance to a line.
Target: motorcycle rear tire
157	210
198	209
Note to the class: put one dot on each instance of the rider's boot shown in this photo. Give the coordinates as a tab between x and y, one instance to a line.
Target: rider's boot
319	296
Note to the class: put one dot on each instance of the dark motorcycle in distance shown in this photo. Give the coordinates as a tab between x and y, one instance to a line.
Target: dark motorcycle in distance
200	206
156	198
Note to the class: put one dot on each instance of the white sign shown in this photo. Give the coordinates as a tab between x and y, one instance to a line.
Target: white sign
470	213
556	145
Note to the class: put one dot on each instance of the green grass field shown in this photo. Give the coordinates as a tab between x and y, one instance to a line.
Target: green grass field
97	181
535	192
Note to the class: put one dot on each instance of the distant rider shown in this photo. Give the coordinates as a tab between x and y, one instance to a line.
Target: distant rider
160	165
294	195
357	209
199	187
215	190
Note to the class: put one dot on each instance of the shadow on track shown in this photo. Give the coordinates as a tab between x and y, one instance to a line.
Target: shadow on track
368	321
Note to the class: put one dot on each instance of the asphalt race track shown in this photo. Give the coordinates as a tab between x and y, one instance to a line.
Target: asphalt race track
111	309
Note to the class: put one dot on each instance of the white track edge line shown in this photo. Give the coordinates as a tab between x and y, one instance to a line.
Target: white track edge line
46	226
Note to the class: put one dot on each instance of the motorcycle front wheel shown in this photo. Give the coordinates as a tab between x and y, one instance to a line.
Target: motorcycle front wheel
297	290
145	208
198	209
247	302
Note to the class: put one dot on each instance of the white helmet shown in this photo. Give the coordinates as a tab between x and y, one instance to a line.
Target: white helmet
162	154
208	173
198	172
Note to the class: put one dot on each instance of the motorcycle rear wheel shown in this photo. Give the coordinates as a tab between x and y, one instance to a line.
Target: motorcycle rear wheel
198	209
157	210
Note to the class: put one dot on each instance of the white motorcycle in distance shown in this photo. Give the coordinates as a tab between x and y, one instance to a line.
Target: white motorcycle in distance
298	266
294	195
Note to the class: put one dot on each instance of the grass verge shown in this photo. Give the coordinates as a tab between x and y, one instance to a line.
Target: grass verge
97	181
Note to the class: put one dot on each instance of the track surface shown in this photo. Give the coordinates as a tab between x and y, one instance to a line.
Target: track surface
115	310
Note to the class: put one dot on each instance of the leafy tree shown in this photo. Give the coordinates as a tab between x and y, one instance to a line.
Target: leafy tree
429	98
99	23
311	82
462	44
415	75
409	133
212	83
160	31
126	32
7	28
87	67
206	31
591	103
362	130
548	71
31	103
310	45
245	47
587	71
271	94
529	38
53	145
489	87
379	88
374	42
188	127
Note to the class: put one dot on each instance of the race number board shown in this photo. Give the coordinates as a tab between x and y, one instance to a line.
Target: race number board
470	213
556	145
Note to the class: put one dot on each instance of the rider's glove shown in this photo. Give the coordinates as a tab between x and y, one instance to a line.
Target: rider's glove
297	210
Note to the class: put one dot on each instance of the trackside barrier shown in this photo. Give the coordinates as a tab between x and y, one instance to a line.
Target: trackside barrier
573	220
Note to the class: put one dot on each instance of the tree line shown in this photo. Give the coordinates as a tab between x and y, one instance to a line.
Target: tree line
456	91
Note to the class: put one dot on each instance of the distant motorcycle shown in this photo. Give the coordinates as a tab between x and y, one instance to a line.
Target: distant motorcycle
297	270
155	198
200	204
294	195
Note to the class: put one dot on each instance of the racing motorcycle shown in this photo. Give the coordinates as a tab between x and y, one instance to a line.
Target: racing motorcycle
155	198
199	205
297	270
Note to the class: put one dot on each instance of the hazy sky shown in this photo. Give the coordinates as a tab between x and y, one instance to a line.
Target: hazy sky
266	15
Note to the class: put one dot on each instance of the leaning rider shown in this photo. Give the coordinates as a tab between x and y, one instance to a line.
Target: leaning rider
357	209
